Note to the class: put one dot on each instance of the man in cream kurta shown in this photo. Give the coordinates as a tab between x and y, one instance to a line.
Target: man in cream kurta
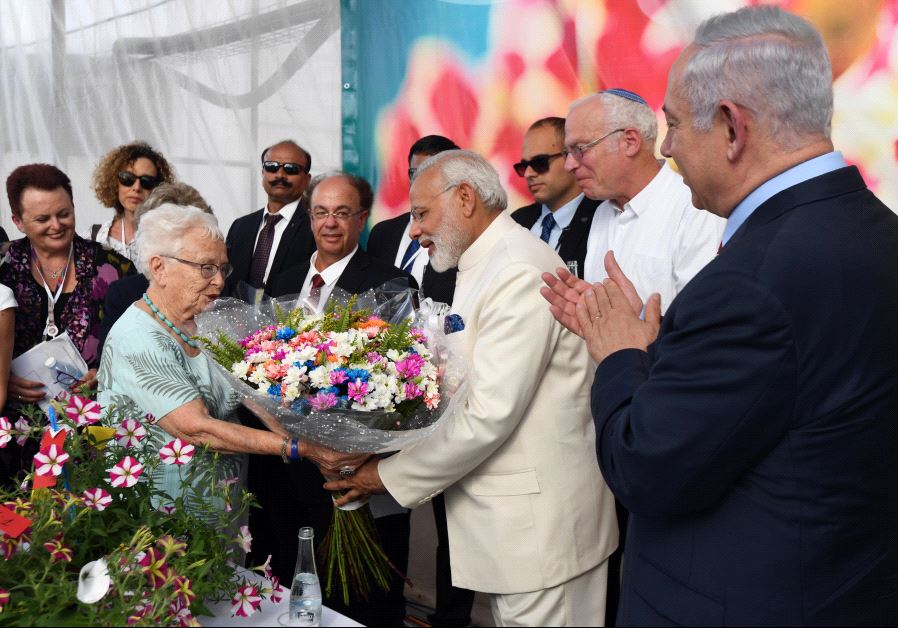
531	520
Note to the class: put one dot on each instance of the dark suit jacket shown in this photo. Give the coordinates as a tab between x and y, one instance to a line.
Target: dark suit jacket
292	496
756	444
384	242
3	236
119	297
295	247
573	240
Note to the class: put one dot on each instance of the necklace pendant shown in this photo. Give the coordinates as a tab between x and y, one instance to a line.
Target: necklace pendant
51	330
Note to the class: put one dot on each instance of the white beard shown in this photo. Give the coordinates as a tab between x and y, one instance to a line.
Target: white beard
450	242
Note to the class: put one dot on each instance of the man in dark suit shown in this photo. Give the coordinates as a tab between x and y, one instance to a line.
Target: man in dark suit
390	241
278	236
562	214
753	439
293	496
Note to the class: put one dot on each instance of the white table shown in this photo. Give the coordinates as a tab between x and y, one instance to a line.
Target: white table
268	613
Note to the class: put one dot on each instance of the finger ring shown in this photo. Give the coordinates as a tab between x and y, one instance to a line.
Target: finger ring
346	472
596	317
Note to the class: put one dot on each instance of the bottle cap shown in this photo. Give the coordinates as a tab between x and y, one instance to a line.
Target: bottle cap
306	533
50	363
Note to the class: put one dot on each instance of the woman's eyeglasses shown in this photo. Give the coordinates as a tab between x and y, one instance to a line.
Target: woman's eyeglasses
290	168
146	181
208	271
539	163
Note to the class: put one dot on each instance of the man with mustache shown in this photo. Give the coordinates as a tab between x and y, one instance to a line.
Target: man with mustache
277	236
562	214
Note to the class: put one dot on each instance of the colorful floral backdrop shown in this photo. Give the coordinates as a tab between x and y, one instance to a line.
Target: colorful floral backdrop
480	72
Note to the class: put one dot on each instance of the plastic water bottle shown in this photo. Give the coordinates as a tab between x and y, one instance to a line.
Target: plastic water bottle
305	594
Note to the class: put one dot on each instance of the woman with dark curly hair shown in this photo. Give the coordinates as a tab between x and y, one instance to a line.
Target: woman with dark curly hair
123	180
59	279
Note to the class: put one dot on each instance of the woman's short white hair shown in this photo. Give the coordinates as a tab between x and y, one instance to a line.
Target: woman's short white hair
162	232
464	166
767	60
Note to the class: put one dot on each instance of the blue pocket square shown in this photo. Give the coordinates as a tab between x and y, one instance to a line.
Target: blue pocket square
453	323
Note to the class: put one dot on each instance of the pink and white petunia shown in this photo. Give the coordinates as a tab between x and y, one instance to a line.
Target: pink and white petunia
23	429
246	601
245	539
83	411
125	473
276	594
6	431
98	499
49	461
129	433
177	452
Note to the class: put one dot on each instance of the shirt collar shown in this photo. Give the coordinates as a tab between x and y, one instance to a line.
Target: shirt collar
793	176
564	214
332	273
286	212
648	196
485	242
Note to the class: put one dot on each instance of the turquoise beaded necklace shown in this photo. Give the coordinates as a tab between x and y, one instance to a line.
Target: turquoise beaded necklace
170	324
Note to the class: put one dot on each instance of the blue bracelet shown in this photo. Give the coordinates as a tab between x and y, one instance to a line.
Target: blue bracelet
294	453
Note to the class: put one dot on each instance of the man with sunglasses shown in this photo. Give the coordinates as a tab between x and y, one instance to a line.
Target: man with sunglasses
562	214
277	236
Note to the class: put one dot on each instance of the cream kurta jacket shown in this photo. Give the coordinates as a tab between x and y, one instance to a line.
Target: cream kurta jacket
526	505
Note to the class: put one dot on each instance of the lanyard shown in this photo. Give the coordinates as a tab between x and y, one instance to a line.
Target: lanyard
51	329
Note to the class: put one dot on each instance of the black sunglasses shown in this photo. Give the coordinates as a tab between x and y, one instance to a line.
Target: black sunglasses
146	181
539	163
290	168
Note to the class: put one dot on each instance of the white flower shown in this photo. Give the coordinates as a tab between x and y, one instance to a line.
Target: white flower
258	377
304	355
394	355
295	375
240	369
245	539
320	377
291	392
93	581
261	356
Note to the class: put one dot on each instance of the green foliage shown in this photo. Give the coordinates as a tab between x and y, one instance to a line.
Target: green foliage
224	349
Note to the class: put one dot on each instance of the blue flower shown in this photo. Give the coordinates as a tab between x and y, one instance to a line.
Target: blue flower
354	374
274	390
453	323
286	333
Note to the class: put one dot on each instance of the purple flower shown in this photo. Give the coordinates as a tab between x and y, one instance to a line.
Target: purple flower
323	401
106	274
412	391
338	376
358	390
410	367
373	358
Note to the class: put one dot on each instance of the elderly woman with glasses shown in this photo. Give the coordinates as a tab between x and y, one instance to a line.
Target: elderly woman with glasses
152	368
122	181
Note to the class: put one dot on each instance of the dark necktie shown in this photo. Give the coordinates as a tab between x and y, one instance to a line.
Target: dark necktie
548	224
263	250
408	260
315	292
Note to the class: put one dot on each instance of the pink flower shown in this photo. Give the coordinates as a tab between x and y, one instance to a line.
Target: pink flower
176	452
83	411
418	335
182	616
23	429
412	391
6	431
125	473
246	601
432	401
181	586
357	390
49	461
9	545
276	595
410	367
97	499
4	598
129	433
152	564
338	376
149	418
140	611
265	567
373	358
322	401
245	539
167	509
58	551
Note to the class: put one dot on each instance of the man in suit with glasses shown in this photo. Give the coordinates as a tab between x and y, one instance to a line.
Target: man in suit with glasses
562	214
277	236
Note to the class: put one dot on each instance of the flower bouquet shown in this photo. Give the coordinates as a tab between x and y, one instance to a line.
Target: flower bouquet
89	538
369	374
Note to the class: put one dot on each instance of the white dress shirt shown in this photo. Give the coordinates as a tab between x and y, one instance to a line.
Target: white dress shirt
7	298
563	217
280	226
331	275
421	256
659	239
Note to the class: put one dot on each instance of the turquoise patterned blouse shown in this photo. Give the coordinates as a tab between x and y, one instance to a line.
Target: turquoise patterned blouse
145	371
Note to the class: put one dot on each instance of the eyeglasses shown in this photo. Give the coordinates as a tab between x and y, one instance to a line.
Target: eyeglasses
576	151
146	181
539	163
411	173
418	215
289	167
341	214
208	271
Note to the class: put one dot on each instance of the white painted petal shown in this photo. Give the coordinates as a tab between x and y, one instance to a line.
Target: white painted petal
93	581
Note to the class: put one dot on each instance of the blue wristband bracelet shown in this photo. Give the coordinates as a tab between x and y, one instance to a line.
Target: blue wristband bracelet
294	449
